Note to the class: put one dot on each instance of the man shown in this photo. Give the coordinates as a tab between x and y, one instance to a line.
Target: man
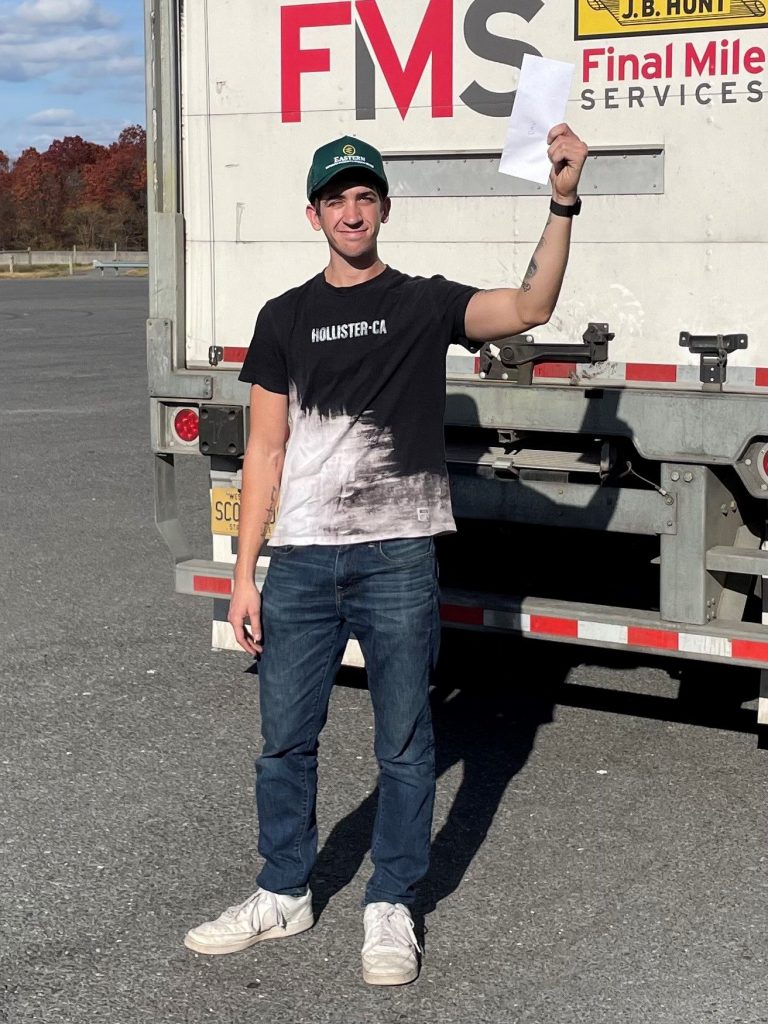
354	361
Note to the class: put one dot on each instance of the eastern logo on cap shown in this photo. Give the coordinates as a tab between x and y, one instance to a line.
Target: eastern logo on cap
349	150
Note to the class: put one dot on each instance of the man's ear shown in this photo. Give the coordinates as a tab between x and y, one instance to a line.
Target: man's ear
312	217
386	206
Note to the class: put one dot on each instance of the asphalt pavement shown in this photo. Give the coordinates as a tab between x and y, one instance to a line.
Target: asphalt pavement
599	844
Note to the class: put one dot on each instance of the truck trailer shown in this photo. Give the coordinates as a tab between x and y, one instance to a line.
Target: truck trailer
609	472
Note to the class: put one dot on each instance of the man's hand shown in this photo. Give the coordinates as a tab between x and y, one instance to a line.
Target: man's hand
245	606
567	153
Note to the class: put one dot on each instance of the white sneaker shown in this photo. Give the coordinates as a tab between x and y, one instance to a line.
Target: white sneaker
264	915
390	949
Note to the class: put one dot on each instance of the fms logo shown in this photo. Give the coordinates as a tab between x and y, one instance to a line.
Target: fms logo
403	72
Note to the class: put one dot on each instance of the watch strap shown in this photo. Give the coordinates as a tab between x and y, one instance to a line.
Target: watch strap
560	210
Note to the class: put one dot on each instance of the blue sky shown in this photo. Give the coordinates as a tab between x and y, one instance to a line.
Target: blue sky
69	67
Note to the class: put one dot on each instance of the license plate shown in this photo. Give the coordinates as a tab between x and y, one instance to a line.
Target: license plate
225	511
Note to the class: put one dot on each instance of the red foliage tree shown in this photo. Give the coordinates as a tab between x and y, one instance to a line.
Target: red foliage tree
70	157
77	192
7	212
118	183
38	197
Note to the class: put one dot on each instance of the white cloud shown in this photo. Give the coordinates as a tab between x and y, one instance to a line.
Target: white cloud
65	12
66	49
101	130
53	116
53	52
24	59
117	67
123	66
41	37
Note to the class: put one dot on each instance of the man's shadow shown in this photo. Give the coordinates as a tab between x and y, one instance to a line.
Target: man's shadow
485	719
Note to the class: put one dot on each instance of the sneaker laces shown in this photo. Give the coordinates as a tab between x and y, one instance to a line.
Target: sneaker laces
391	922
255	908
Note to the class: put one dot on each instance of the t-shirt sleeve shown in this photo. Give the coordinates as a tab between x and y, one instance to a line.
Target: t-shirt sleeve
265	362
451	300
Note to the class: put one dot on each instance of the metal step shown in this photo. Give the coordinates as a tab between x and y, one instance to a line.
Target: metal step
500	458
547	619
747	561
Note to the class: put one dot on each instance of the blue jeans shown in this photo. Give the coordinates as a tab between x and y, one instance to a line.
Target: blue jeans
385	593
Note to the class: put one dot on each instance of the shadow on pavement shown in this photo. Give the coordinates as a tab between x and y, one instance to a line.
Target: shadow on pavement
489	724
489	729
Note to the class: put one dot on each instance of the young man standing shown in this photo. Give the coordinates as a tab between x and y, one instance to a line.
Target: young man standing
353	361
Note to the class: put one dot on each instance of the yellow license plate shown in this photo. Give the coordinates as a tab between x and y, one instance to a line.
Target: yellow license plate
225	511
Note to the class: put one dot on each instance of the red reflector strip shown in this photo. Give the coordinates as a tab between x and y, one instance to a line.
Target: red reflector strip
554	627
234	355
761	377
477	365
546	625
651	371
662	639
554	370
461	613
749	649
211	585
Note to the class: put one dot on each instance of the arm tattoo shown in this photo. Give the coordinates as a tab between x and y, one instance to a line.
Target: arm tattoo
270	520
533	265
530	272
543	239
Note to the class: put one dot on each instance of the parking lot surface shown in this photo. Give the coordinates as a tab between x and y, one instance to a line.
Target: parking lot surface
599	842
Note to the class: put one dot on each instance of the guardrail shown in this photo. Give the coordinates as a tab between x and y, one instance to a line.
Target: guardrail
75	254
117	266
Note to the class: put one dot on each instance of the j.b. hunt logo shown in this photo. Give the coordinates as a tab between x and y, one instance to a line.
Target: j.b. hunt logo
596	18
433	45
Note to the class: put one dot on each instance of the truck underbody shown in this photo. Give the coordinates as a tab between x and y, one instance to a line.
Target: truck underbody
611	517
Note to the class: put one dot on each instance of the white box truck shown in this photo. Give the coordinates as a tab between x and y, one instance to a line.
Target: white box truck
609	475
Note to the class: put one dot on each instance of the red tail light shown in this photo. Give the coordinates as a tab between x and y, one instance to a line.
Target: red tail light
186	423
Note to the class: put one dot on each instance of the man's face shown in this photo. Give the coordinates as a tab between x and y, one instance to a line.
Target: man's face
350	216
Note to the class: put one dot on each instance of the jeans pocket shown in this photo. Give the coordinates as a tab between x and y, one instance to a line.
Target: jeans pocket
406	550
281	549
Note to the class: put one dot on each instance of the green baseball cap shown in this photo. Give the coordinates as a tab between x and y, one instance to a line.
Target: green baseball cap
345	154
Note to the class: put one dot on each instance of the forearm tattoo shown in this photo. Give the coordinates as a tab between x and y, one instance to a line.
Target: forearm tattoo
270	520
543	239
530	272
533	265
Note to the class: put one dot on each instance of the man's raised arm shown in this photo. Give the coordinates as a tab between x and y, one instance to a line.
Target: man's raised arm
501	312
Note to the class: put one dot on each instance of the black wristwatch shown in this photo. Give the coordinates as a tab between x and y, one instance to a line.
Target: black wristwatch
566	211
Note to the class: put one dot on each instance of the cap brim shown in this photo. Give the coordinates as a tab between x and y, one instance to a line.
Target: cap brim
362	172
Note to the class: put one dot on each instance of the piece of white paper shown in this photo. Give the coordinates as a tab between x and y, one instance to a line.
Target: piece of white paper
540	104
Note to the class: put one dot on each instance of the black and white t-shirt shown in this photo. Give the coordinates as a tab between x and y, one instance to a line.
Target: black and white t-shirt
364	369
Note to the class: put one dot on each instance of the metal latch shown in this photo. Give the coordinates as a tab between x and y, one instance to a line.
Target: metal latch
215	355
513	358
714	350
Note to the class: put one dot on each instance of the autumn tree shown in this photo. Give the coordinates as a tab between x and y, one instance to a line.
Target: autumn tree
37	192
76	193
117	183
7	211
71	157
